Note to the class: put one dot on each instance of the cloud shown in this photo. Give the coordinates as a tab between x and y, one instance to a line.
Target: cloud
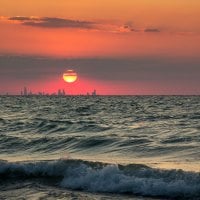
21	18
56	22
180	76
50	22
133	69
152	30
128	27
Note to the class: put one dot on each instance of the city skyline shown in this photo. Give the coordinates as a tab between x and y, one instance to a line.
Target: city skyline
60	92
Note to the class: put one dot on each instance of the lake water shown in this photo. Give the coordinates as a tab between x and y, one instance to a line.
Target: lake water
103	147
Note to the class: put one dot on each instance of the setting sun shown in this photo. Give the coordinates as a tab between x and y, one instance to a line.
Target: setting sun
70	76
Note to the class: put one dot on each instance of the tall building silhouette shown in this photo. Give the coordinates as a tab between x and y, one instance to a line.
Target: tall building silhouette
25	91
94	93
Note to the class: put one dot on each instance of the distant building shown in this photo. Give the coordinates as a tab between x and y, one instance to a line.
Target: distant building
25	91
61	92
94	93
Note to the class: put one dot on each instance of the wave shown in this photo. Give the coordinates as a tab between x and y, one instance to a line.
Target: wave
108	178
47	126
10	144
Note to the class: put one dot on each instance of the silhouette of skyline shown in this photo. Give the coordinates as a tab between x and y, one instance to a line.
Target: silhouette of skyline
60	92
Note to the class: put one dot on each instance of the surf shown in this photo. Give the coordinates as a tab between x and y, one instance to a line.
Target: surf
135	179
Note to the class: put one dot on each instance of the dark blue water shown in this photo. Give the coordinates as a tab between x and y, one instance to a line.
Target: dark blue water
140	146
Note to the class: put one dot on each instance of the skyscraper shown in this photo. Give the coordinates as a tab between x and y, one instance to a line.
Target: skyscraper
25	91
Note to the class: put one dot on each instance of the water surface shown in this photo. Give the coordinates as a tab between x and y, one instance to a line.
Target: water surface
136	145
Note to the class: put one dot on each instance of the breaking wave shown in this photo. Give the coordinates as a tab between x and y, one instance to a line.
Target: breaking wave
107	178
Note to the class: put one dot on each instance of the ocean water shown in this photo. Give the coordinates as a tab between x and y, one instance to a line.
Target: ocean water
102	147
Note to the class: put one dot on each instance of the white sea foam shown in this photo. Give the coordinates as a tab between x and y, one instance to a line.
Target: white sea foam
113	180
99	177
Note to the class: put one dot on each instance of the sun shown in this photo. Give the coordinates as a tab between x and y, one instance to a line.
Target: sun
70	76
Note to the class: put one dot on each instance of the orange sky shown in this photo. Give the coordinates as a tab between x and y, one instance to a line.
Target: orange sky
19	39
100	29
177	20
169	12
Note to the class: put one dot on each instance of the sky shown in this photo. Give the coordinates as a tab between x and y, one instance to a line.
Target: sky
140	47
